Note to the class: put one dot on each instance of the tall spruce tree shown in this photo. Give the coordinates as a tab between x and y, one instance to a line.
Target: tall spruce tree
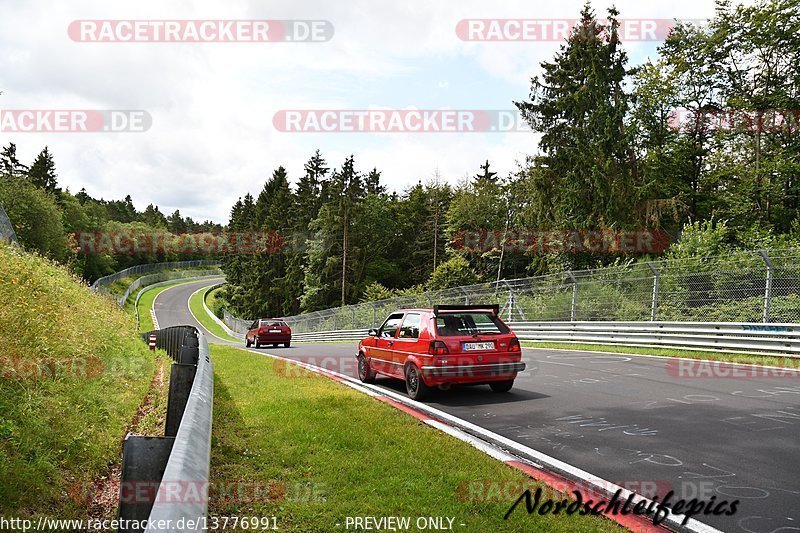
9	163
42	172
579	106
327	279
273	208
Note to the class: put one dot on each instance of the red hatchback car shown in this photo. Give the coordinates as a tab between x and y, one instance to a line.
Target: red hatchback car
439	347
268	331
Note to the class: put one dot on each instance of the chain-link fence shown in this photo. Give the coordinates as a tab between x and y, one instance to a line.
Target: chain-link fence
761	286
7	233
236	324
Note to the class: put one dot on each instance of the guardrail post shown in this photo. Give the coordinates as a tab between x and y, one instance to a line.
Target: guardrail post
144	460
767	284
654	303
574	305
181	377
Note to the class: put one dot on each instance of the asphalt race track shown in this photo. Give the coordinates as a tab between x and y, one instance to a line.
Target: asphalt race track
631	420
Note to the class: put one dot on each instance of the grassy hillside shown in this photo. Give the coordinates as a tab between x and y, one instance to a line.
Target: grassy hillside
72	375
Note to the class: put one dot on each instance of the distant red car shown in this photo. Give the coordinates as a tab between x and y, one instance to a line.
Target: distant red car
439	347
268	331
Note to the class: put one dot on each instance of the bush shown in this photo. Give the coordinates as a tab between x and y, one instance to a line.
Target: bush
35	216
454	272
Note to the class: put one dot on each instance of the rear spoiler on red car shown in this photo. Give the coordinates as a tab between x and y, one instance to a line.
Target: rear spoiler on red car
448	309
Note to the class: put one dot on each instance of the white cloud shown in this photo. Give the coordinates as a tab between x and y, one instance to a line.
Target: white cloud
212	104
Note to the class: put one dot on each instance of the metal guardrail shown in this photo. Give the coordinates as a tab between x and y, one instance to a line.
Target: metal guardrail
782	339
215	318
152	279
179	461
149	267
322	336
746	337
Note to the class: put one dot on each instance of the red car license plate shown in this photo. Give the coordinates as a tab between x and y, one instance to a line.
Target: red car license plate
275	331
475	346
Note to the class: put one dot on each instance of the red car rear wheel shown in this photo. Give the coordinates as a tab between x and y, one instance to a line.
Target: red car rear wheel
415	385
502	386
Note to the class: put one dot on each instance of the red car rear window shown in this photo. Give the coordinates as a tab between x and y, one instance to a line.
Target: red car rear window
455	324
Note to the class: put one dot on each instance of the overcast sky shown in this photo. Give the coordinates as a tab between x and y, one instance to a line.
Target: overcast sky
212	104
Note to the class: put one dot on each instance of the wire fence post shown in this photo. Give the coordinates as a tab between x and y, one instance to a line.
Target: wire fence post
654	303
374	314
509	300
353	311
767	284
574	305
466	295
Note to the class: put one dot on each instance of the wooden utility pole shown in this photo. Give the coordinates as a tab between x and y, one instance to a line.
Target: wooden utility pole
344	254
435	217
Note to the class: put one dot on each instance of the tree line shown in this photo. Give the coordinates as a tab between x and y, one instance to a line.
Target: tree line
45	217
701	142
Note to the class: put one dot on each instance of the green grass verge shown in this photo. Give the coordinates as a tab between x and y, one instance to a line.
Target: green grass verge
196	306
320	451
668	352
214	302
73	372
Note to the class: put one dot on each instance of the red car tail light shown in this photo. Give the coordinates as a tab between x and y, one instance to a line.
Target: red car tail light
514	346
438	348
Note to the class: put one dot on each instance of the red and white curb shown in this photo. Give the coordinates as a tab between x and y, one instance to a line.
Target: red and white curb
155	319
557	474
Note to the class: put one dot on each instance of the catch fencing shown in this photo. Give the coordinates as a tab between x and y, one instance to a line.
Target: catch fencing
747	287
239	325
7	233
